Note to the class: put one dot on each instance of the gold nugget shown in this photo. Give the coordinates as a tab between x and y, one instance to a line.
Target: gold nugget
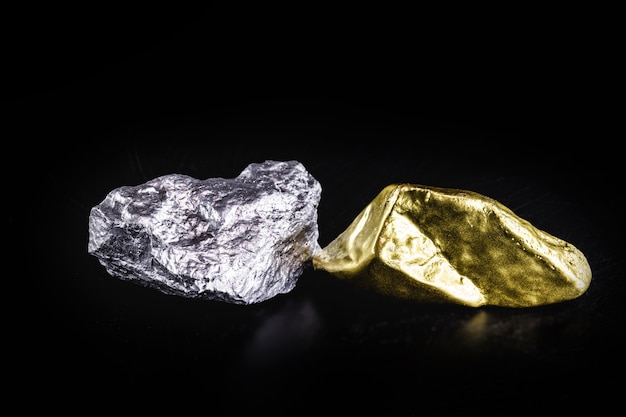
445	245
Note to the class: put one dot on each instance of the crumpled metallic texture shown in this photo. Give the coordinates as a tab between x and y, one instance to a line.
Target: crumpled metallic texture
242	240
445	245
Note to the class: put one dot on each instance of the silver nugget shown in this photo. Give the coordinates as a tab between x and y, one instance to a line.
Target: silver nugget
242	240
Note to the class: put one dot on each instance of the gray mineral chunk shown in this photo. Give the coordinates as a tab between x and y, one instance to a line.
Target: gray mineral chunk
242	240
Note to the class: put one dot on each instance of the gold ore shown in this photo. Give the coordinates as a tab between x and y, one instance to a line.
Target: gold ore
446	245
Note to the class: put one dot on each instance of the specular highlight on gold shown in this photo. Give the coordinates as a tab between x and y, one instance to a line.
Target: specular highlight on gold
446	245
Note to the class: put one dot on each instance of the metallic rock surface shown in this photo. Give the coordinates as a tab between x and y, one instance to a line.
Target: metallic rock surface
242	240
446	245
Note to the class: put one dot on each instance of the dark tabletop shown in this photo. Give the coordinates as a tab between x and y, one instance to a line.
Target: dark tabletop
363	98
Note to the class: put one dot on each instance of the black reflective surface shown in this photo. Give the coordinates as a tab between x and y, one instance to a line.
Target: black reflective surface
361	105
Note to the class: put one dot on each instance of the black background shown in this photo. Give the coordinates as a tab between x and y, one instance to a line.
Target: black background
507	102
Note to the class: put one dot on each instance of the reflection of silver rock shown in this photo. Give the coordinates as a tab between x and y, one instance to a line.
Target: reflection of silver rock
241	240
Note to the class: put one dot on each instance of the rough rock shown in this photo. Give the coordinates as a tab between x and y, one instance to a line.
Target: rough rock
242	240
445	245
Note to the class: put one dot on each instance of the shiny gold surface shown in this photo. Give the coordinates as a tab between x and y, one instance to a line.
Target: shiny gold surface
445	245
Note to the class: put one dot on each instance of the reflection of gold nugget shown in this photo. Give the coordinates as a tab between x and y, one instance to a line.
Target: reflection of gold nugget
445	245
